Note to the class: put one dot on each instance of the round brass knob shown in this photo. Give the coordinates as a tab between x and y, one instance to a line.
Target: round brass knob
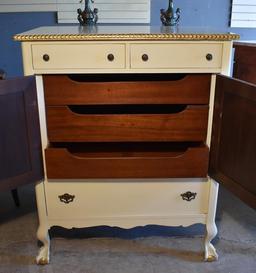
209	57
46	57
144	57
111	57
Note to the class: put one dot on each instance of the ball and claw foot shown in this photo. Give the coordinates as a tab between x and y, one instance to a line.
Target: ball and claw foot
210	253
43	256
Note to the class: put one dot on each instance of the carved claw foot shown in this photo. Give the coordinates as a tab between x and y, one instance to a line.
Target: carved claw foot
43	257
210	251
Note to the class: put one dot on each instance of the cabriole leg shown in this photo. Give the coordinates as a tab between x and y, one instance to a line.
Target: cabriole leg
210	251
211	229
44	252
42	232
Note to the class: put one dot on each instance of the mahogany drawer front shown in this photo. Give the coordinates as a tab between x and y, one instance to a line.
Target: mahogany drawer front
63	164
78	56
191	89
66	126
102	200
176	55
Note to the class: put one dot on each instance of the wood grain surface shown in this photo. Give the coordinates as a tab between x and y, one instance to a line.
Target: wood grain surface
133	89
244	62
233	148
66	126
62	164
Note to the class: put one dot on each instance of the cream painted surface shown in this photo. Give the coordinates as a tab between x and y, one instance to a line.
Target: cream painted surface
27	59
125	203
227	56
78	56
211	228
211	109
125	70
175	220
176	55
91	57
125	199
43	228
43	256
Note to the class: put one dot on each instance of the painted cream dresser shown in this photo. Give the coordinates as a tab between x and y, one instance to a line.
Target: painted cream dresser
126	123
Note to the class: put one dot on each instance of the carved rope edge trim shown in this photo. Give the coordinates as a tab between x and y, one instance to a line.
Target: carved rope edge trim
105	37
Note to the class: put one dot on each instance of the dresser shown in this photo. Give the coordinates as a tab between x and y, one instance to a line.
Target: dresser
136	126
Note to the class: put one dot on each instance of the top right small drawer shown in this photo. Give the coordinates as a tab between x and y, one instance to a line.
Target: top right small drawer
177	56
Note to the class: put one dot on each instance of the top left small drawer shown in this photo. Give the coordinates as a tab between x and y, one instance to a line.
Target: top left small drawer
78	56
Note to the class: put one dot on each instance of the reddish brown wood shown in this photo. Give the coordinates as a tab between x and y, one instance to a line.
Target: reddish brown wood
65	126
192	89
245	60
61	164
20	145
233	148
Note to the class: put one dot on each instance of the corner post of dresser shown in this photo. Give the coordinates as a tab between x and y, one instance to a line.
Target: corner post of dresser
27	58
227	58
211	228
43	229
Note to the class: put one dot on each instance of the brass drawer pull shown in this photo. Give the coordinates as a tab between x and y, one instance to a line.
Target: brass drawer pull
188	196
46	57
66	198
111	57
209	57
144	57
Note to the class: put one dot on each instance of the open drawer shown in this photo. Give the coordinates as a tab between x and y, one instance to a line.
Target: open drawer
91	89
129	160
127	123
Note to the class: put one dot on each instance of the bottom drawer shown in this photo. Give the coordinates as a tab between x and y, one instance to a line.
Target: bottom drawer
127	161
120	199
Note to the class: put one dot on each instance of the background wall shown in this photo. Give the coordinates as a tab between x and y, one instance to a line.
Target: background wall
196	13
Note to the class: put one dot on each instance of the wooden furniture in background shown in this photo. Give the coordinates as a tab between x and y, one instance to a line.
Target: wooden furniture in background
20	145
244	62
14	192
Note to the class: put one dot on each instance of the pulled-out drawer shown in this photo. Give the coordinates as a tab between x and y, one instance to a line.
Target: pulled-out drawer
127	123
120	161
78	56
127	89
176	55
121	202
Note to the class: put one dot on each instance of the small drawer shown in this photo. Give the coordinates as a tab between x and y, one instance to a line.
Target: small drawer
117	202
127	89
176	55
150	161
127	123
78	56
